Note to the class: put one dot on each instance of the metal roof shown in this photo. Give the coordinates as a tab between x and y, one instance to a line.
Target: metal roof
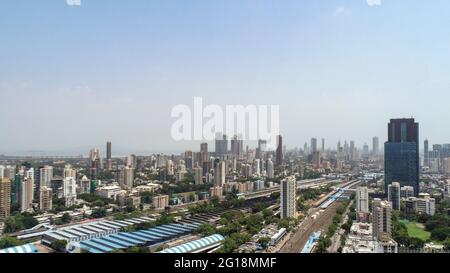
195	245
28	248
140	237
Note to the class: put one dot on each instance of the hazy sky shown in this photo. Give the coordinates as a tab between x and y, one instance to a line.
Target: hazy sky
75	76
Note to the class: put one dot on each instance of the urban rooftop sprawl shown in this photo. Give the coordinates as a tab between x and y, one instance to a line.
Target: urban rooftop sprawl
236	198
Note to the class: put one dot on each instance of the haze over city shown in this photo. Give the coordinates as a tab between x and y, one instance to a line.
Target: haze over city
73	77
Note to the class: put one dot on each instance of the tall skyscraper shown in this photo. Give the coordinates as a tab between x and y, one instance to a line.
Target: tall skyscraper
204	153
219	173
426	154
288	191
381	220
108	156
15	189
313	145
270	168
170	167
45	199
126	177
26	194
69	191
375	146
221	145
237	146
262	144
5	197
198	176
394	195
362	199
352	151
279	151
45	176
401	154
323	145
95	162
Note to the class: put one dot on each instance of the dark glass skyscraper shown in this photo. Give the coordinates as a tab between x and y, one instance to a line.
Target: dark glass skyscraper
401	154
279	151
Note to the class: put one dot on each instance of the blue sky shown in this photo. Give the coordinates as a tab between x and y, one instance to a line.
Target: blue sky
76	76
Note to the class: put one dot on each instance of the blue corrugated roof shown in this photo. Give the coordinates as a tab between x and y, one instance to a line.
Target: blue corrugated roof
108	243
28	248
91	244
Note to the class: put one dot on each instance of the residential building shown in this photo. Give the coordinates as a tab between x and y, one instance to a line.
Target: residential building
288	192
394	195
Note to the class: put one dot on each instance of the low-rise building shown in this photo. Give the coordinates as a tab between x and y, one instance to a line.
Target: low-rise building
161	201
111	191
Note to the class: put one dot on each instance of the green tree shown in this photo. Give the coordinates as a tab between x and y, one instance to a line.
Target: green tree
59	246
205	229
99	213
264	242
7	241
66	218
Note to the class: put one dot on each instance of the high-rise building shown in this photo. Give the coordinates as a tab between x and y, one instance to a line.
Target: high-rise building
219	173
204	152
394	195
237	146
45	198
15	189
85	185
221	145
26	194
323	145
170	167
279	151
68	172
189	159
198	175
362	199
352	150
5	197
446	165
313	145
375	146
262	145
108	156
381	220
95	162
406	192
426	154
270	173
132	161
288	190
126	177
401	154
69	191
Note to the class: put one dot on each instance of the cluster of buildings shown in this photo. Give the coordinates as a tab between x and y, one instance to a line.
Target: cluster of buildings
372	232
272	231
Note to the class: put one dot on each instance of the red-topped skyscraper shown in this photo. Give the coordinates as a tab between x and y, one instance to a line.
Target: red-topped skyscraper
401	154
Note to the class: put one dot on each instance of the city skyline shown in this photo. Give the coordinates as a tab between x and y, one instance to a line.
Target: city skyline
345	66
